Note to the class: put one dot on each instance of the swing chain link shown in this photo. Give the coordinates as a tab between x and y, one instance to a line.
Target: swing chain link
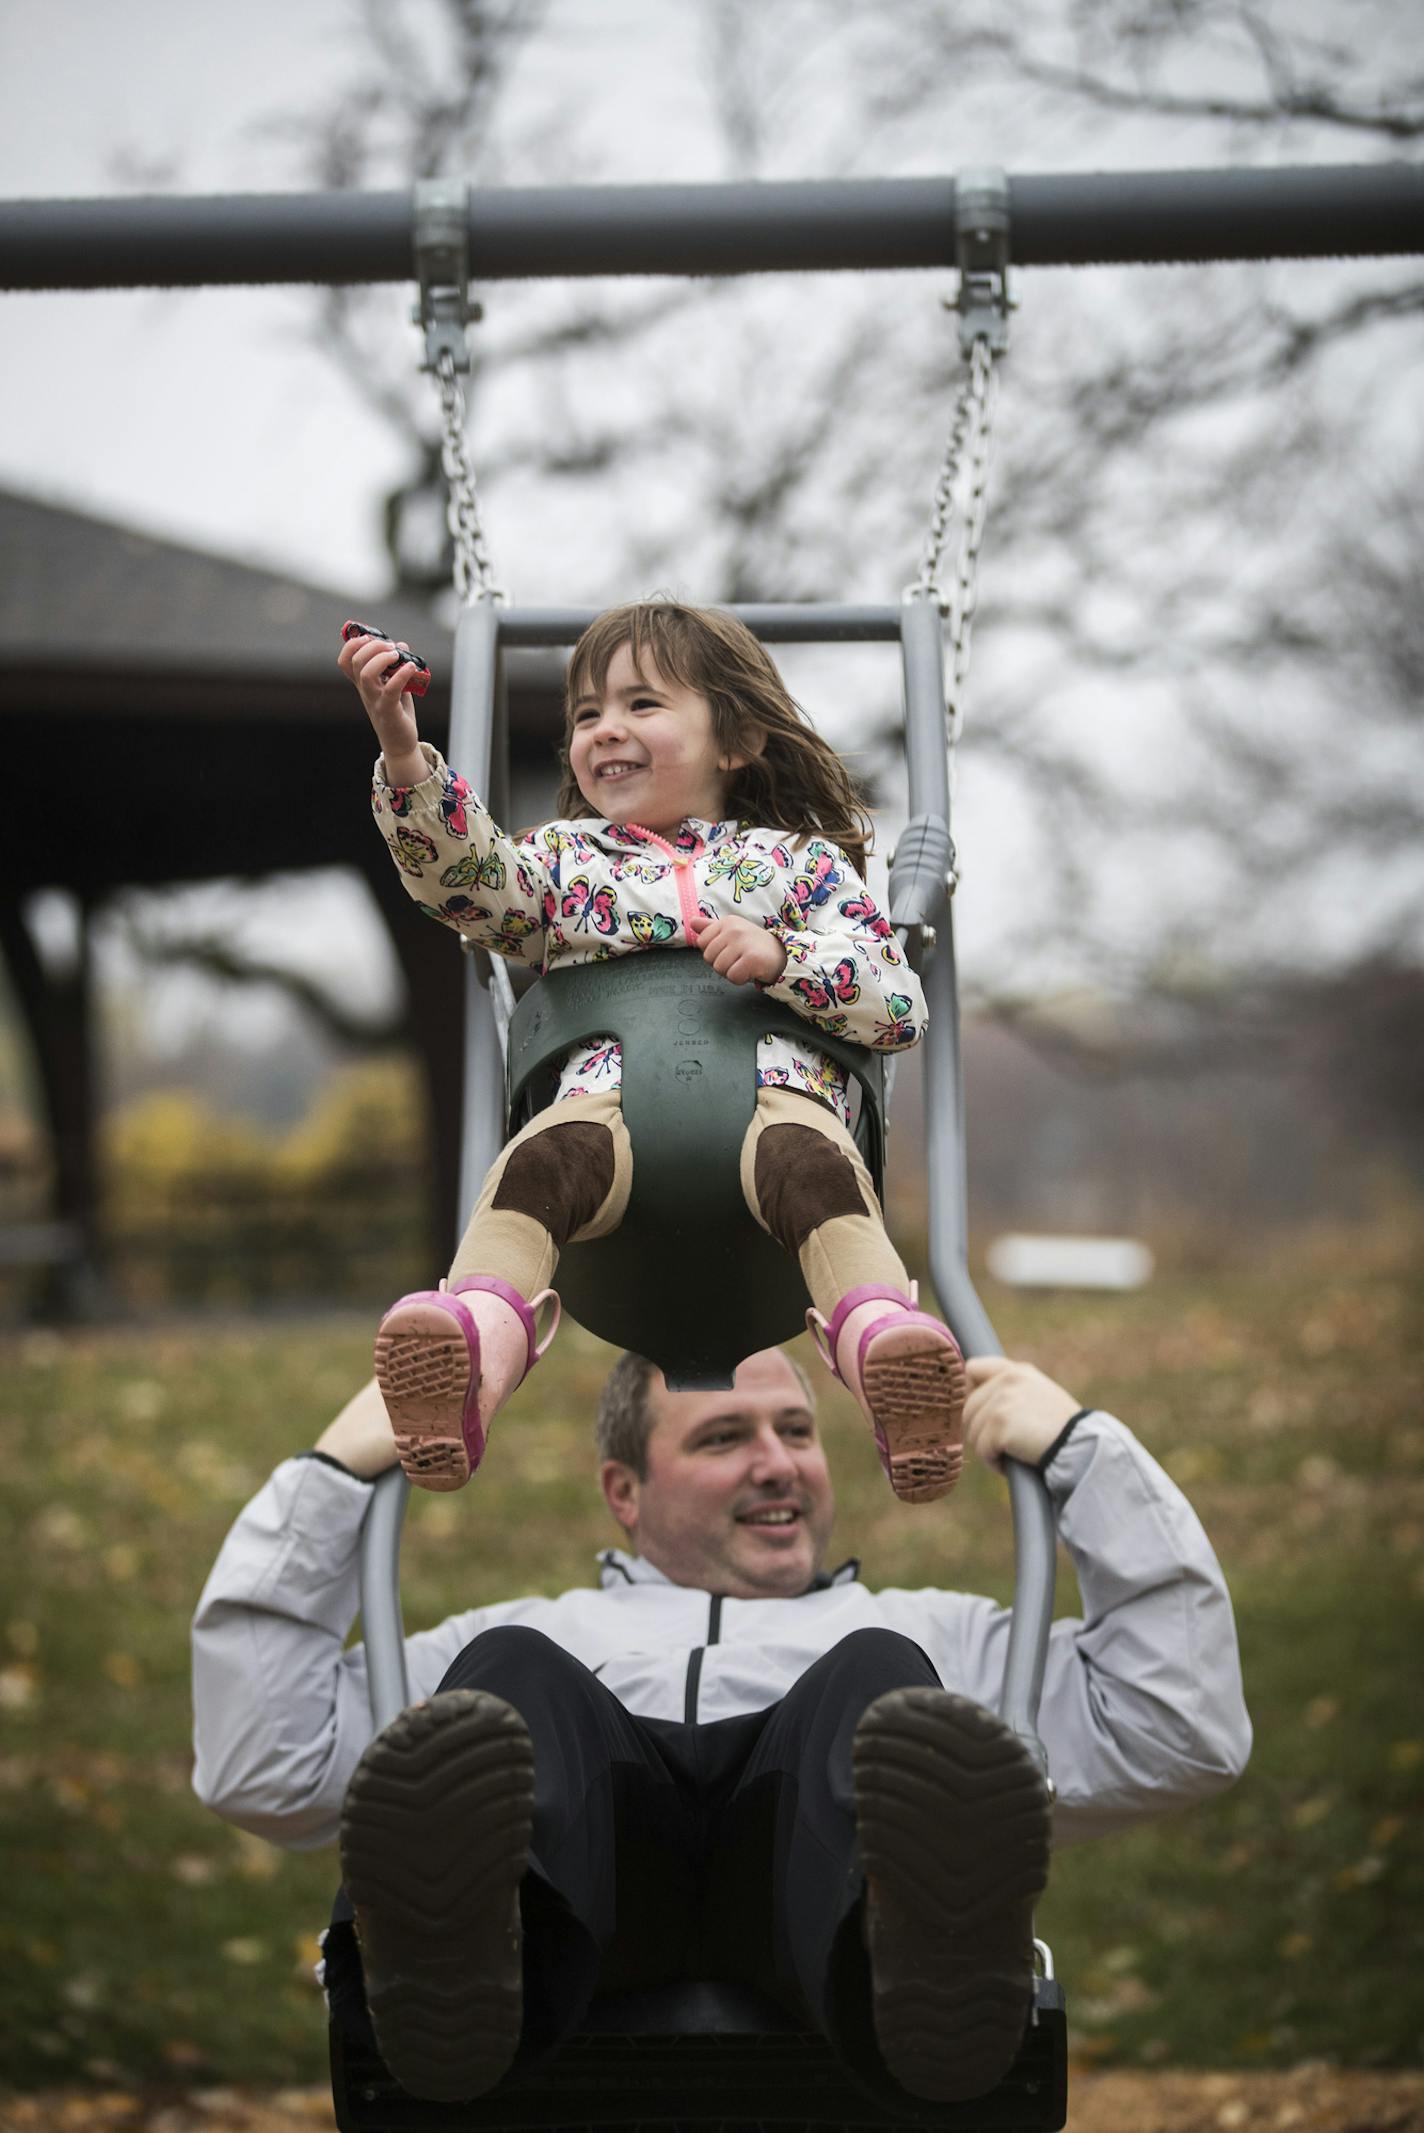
984	301
445	313
983	387
969	416
474	573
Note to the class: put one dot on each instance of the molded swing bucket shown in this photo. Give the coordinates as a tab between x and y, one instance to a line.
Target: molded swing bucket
689	1280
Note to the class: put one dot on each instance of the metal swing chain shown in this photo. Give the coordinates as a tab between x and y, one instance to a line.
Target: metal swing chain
444	313
474	573
983	387
981	220
927	584
968	442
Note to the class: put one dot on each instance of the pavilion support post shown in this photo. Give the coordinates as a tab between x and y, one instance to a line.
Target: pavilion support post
57	1005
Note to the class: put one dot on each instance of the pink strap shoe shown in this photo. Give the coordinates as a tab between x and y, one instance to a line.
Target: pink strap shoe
446	1362
907	1375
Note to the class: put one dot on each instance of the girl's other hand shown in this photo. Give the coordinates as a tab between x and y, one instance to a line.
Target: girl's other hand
390	708
740	951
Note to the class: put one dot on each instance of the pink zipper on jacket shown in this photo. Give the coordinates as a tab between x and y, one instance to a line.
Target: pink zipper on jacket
692	917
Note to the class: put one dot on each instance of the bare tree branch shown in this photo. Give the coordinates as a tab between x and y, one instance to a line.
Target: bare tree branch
1290	95
216	958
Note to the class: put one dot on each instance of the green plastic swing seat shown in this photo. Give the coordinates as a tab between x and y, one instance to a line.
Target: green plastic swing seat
690	1279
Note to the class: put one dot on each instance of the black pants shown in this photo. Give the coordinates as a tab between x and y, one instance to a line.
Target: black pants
663	1851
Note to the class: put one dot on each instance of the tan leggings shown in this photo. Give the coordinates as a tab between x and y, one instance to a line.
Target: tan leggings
566	1177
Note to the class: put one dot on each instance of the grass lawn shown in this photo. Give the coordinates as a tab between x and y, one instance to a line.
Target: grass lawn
141	1940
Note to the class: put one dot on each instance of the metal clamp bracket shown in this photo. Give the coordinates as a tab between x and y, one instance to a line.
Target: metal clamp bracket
981	239
442	268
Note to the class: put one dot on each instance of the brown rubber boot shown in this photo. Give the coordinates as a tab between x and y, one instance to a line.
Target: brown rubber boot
434	1843
953	1821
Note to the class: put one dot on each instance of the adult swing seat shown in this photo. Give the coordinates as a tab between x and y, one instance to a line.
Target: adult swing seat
706	2053
660	1284
705	2057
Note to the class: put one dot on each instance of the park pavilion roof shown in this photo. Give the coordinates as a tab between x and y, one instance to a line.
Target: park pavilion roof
174	694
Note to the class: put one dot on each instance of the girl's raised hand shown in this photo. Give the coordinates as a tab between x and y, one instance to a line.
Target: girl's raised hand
391	710
740	951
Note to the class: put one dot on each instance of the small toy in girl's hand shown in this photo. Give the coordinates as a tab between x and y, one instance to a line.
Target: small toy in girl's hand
419	681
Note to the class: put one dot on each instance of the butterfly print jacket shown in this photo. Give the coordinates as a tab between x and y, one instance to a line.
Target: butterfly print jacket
584	891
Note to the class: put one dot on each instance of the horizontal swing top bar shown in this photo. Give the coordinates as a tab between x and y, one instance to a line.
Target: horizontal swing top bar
1075	219
808	623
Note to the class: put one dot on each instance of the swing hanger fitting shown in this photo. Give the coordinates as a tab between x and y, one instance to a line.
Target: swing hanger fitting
442	269
981	241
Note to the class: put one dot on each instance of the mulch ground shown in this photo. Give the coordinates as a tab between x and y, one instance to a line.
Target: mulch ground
1308	2099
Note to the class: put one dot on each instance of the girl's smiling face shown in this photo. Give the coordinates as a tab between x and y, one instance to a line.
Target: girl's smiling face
643	750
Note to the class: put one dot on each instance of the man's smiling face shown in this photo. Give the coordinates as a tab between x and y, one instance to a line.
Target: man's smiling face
737	1495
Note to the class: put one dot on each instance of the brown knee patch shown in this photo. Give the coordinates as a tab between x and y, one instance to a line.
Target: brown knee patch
802	1179
560	1177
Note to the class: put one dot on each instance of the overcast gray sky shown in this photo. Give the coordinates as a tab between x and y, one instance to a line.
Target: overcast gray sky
203	414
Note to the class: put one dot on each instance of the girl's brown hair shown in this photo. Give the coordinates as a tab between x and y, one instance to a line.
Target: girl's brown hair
794	781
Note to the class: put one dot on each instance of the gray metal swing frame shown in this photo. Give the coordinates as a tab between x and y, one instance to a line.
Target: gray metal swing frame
692	2015
477	715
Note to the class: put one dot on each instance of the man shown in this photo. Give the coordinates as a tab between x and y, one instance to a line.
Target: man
725	1762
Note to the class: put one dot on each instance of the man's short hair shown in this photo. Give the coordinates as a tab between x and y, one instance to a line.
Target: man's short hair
625	1418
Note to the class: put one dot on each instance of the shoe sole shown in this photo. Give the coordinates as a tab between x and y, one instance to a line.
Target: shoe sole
914	1385
435	1837
423	1370
953	1821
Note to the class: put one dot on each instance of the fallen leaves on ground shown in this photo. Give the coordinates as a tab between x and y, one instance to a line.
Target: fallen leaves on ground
1308	2099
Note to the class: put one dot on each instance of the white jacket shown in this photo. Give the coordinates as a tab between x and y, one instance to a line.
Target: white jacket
1142	1704
586	891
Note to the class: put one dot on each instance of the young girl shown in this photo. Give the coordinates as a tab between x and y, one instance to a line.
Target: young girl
698	808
